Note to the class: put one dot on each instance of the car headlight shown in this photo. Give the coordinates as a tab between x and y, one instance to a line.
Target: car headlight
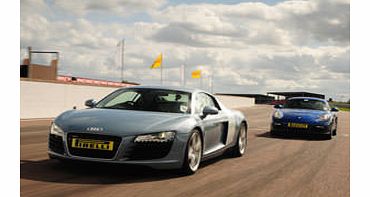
324	117
54	129
156	137
278	114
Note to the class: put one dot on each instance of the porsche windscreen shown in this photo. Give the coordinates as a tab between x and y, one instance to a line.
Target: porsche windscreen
306	104
155	100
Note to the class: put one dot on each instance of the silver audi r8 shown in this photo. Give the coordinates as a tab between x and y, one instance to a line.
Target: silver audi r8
160	127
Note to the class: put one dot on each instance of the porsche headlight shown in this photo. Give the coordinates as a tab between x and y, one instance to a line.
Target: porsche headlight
54	129
324	117
164	136
278	114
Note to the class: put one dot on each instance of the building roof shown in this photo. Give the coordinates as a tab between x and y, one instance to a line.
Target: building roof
308	98
298	94
246	95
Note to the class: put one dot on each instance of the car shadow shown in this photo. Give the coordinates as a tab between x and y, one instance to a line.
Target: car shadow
292	136
224	156
50	170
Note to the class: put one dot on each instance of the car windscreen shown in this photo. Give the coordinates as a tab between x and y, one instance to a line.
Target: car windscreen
142	99
306	104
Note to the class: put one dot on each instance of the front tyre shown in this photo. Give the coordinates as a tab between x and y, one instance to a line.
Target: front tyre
273	133
329	136
193	153
241	146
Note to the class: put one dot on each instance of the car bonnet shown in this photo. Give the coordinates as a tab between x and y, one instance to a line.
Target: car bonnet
119	122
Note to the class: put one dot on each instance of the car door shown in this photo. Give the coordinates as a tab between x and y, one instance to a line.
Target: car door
215	126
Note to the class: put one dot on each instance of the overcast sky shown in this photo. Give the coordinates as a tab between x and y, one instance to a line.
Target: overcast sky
251	46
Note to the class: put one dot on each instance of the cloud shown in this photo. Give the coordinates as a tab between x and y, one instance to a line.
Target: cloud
241	25
337	62
118	7
249	47
324	21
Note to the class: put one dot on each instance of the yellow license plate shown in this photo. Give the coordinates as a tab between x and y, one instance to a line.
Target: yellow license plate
92	144
297	125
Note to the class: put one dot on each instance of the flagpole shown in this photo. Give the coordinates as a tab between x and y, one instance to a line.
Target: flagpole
161	75
122	57
183	75
200	82
162	70
212	80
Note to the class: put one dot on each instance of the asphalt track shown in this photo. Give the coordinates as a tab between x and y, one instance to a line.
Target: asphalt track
284	166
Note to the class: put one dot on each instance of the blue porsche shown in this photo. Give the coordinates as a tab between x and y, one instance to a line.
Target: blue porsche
305	115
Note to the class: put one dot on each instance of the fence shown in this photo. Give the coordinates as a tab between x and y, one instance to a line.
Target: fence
48	99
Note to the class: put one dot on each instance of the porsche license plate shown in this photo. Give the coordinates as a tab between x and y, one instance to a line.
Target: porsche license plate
92	144
297	125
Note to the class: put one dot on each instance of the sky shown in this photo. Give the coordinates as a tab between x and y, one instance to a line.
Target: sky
247	47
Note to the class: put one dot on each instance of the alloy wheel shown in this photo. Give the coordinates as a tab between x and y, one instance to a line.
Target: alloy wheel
242	140
194	151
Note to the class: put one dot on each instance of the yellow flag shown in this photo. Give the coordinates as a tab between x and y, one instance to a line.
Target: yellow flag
157	62
196	74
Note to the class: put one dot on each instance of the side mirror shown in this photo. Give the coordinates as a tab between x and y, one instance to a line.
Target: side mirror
334	109
90	103
278	106
208	110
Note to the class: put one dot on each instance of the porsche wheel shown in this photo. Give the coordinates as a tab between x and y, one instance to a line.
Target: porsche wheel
329	136
273	133
336	127
241	145
193	154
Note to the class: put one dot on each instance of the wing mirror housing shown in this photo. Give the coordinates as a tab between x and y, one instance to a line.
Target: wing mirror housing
90	103
208	110
334	109
278	106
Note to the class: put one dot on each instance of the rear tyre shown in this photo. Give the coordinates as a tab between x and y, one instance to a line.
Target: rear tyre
193	154
241	145
336	127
